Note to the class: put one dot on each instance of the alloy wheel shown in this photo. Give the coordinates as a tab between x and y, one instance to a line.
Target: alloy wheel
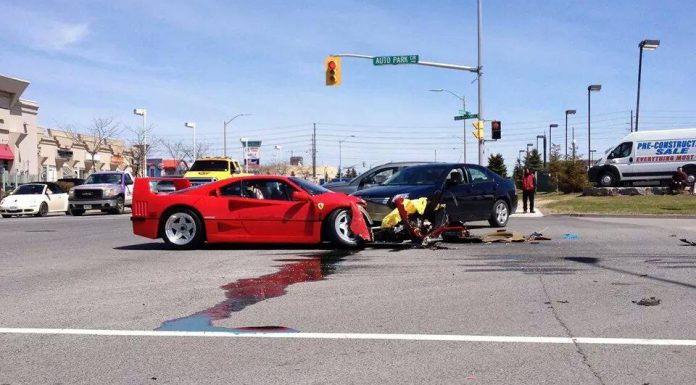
180	229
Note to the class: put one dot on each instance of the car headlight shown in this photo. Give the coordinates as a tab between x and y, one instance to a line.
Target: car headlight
397	196
71	193
109	192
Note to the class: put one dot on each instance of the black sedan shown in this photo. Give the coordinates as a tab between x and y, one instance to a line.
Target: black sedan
470	192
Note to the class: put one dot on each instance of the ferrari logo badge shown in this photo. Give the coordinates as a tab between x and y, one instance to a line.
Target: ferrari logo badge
320	205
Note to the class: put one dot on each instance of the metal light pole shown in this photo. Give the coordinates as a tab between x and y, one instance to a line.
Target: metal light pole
530	145
519	156
592	152
479	78
143	112
278	149
590	88
224	132
551	141
542	137
649	45
568	112
463	99
193	125
340	155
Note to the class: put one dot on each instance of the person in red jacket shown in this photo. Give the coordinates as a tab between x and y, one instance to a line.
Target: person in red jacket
528	190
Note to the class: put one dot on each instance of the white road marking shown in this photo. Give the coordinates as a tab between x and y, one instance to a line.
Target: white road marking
358	336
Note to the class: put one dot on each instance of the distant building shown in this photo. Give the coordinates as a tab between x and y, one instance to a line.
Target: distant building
157	167
18	130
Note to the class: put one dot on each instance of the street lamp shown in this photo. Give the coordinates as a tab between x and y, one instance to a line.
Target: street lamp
278	149
339	153
519	156
568	112
648	45
590	88
592	152
464	120
224	132
244	142
192	125
143	112
542	137
551	141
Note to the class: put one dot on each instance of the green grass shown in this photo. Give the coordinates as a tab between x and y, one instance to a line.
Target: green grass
620	205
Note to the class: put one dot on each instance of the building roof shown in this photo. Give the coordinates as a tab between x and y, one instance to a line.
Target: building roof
14	87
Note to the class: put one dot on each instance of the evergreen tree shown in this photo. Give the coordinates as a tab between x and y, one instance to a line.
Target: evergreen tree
517	175
496	163
573	177
533	161
556	165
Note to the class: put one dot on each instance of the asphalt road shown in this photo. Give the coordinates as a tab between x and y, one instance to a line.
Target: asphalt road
372	312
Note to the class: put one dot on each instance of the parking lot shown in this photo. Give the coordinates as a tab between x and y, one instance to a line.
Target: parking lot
556	312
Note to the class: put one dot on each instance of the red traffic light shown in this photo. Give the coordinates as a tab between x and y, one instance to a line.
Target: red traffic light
332	65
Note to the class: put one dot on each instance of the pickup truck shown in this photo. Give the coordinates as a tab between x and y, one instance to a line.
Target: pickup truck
211	169
108	191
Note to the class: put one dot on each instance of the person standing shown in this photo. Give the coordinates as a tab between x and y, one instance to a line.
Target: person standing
528	190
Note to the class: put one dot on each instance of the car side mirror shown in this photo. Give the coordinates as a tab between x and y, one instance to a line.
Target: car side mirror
300	196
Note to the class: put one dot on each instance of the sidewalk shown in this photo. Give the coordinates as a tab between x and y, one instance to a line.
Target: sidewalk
519	214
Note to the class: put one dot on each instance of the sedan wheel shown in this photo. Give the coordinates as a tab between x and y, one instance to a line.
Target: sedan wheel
183	229
500	214
338	230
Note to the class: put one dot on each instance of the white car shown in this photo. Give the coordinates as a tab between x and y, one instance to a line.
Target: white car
36	199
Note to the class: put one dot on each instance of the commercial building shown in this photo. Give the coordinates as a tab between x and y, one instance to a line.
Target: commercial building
18	129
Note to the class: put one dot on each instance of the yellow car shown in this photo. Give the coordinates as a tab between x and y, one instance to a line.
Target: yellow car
211	169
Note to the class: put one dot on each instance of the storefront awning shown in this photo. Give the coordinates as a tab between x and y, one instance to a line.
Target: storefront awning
6	152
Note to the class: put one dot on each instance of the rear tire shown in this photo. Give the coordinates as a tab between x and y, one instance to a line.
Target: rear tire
182	229
500	214
6	216
43	210
338	230
77	212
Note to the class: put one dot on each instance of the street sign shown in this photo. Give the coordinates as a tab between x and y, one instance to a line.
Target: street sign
468	115
400	59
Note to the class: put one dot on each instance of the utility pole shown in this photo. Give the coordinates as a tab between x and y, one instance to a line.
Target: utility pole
479	75
314	152
631	120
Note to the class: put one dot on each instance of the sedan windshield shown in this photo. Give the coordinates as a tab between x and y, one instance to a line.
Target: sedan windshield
29	189
430	175
310	187
104	178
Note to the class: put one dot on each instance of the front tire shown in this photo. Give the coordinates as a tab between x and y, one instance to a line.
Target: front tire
607	179
338	230
77	212
183	229
500	214
43	210
6	216
120	206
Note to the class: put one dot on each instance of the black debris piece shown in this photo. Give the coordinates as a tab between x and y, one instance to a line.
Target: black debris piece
652	301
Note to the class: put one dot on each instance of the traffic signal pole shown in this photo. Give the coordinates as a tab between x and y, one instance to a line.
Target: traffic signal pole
479	80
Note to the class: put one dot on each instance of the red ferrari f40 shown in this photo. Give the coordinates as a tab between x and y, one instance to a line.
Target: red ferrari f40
250	209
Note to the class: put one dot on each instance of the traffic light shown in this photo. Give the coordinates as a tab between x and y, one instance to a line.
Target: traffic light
478	129
495	129
333	70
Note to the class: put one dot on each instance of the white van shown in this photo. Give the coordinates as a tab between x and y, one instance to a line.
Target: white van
647	156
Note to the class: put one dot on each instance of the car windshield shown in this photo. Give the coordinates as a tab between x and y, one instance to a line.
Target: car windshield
210	165
310	187
430	175
29	189
103	178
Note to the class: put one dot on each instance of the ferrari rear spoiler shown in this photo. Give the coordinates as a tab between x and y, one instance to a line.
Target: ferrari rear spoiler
149	186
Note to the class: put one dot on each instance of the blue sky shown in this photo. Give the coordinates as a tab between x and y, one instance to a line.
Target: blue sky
206	61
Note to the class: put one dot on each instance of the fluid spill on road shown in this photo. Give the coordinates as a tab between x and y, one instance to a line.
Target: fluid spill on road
249	291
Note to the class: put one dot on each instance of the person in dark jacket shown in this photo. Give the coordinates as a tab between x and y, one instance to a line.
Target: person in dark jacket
528	190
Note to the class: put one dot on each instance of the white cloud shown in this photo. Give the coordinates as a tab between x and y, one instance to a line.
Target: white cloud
56	36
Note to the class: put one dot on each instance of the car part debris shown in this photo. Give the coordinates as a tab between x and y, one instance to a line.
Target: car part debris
688	242
537	236
652	301
570	236
503	236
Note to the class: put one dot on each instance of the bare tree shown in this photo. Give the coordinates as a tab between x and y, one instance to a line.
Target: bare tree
142	144
183	153
96	136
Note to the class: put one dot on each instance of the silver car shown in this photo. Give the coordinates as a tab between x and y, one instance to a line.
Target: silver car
373	177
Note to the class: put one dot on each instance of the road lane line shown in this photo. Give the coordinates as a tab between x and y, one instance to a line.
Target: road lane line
359	336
